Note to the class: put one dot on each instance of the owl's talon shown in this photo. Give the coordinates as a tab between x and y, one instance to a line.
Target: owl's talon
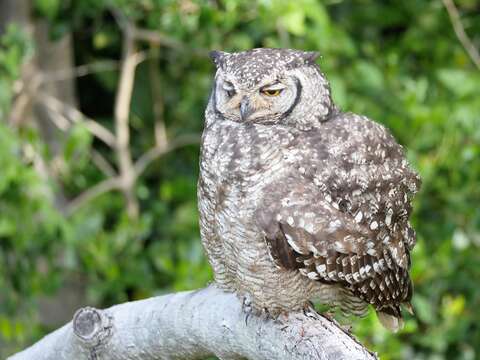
329	315
310	312
247	307
282	318
346	328
247	315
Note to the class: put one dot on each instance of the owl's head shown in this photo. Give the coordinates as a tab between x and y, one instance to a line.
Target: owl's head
270	86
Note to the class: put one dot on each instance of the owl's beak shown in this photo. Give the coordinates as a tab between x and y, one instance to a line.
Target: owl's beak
245	109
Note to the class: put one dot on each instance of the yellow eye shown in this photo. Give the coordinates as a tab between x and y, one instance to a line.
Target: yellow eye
271	92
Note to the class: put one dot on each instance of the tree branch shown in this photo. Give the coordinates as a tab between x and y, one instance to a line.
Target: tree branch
73	115
460	32
79	71
153	37
194	325
160	129
93	192
155	152
26	89
102	164
130	59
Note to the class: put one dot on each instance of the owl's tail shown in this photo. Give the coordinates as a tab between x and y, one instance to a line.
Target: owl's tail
390	322
391	317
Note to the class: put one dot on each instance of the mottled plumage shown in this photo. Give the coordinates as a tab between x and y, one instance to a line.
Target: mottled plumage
299	201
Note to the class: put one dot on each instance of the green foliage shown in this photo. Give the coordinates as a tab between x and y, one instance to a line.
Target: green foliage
15	49
29	229
396	62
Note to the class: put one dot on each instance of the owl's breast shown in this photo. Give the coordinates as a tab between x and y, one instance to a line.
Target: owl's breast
251	155
243	162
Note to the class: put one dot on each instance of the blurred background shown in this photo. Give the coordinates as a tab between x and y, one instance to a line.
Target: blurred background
101	108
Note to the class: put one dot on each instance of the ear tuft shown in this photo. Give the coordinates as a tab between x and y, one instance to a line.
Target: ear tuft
309	57
218	57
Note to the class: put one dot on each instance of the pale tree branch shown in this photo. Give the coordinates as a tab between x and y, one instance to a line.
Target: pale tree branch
155	152
153	37
92	193
115	182
60	121
24	95
79	71
129	172
63	115
46	77
194	325
102	164
460	32
30	154
130	60
47	171
160	130
26	89
73	115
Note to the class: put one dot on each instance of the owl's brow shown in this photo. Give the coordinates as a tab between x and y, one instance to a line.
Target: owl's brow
276	85
227	85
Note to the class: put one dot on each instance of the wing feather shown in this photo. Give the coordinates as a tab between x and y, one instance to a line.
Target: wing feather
344	218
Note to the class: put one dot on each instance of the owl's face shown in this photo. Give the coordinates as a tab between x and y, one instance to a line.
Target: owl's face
270	86
266	101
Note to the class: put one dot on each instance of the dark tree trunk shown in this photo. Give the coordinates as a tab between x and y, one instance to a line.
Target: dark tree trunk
50	57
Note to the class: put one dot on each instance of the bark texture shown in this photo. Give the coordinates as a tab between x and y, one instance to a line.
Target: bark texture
194	325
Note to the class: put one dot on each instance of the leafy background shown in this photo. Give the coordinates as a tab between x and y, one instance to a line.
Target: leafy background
397	62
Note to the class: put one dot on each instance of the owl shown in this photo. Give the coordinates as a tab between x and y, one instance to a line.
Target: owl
298	200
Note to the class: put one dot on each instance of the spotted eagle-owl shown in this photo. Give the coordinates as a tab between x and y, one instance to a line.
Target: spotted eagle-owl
299	201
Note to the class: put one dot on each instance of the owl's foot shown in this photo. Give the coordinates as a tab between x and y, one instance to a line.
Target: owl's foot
281	318
347	328
309	311
329	315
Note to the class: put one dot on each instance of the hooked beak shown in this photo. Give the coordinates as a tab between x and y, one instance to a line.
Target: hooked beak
245	109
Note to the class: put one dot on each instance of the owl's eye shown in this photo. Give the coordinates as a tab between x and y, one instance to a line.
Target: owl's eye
229	89
271	92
